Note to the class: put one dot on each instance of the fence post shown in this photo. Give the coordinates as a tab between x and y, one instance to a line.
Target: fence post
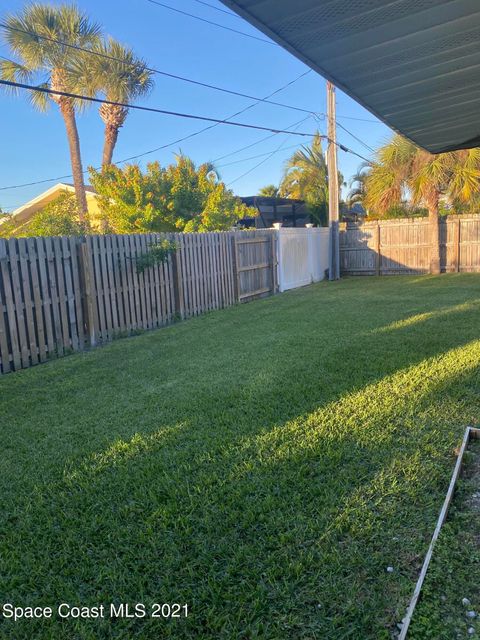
378	256
274	262
177	279
236	283
87	286
456	246
280	273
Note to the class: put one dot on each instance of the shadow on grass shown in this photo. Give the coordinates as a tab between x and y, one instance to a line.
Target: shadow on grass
270	504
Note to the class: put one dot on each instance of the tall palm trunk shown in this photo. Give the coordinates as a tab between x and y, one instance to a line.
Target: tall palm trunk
110	140
113	116
67	110
434	220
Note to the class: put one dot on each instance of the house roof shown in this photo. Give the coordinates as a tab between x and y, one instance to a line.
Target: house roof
415	64
253	201
31	207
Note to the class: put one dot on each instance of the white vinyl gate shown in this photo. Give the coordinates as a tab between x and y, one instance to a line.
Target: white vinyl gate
302	256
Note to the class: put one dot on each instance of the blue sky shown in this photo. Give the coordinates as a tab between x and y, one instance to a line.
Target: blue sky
33	145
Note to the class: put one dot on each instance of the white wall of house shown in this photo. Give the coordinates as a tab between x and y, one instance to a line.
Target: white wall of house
302	256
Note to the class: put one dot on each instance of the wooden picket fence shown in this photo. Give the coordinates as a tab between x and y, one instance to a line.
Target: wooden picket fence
389	247
59	295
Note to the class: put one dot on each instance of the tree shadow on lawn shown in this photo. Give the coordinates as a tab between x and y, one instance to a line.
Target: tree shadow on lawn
256	534
255	517
273	360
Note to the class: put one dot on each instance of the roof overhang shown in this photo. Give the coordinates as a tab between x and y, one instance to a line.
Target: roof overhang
27	210
415	64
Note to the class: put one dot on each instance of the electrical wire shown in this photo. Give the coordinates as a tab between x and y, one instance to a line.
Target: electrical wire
170	144
166	74
127	105
189	136
161	111
174	76
358	119
140	155
352	135
282	148
216	24
270	155
211	6
356	138
260	155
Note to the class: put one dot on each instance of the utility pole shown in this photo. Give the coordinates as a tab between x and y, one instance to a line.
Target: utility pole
333	192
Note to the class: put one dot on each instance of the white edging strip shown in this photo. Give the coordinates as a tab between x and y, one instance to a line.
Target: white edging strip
469	432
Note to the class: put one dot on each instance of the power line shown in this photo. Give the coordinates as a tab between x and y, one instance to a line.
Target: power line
174	76
127	105
356	137
248	146
353	136
171	144
140	155
145	153
216	24
283	148
359	119
342	147
154	110
260	155
196	133
253	144
207	4
270	155
189	136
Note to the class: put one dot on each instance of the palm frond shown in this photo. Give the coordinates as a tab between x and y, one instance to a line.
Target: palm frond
116	73
41	101
36	35
14	72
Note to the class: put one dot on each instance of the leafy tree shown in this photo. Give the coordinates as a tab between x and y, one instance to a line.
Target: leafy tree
119	76
401	169
179	197
5	224
404	209
269	191
306	178
48	57
59	218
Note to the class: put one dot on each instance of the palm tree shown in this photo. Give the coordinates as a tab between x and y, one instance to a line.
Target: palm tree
269	191
121	77
356	195
62	28
402	168
306	171
306	178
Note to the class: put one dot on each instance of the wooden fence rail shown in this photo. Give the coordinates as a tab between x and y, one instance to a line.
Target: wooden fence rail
389	247
59	295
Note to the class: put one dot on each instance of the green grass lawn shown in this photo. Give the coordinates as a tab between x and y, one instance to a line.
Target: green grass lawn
455	568
264	464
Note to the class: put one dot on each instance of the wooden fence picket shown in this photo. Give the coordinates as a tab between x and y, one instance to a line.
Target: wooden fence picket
387	247
63	294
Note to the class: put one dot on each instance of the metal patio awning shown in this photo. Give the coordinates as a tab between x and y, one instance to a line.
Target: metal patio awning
415	64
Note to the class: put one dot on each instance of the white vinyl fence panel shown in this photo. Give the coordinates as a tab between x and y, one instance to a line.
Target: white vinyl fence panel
302	256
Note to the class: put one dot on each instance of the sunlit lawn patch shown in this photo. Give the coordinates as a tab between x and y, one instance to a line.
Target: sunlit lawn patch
264	464
450	604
